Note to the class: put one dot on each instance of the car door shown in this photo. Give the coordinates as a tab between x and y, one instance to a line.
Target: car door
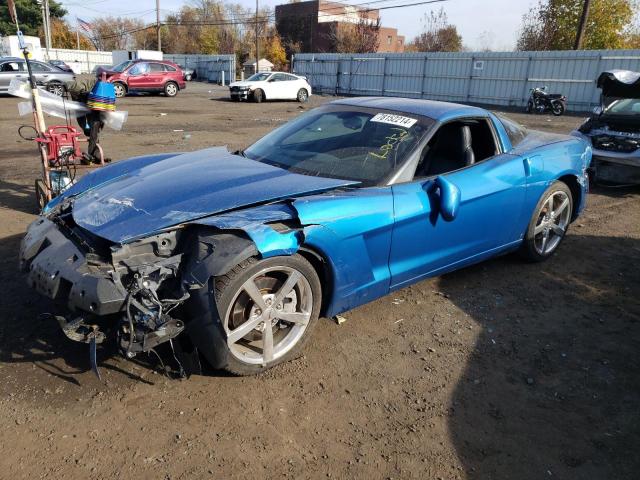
41	72
156	76
138	76
490	210
9	70
278	86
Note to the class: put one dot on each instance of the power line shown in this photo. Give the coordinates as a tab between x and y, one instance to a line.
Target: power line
266	17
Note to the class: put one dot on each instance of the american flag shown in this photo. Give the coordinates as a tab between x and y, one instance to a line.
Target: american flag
86	26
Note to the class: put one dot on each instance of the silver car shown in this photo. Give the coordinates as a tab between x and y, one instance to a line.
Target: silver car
50	77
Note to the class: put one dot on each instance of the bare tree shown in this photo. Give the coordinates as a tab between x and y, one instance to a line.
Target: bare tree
115	33
361	37
438	35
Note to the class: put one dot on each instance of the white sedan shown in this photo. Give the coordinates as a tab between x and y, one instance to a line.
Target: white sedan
271	86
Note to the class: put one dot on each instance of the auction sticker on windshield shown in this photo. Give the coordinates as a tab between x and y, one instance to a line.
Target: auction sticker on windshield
397	120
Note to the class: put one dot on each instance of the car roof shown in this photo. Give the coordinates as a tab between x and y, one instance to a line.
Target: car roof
168	62
278	71
441	111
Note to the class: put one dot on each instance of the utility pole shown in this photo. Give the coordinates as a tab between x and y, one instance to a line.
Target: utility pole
257	42
48	28
582	25
45	27
78	38
158	25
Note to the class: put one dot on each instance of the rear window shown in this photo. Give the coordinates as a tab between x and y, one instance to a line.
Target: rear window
515	132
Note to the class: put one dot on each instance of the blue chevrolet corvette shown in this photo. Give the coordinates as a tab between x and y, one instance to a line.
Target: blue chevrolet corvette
234	256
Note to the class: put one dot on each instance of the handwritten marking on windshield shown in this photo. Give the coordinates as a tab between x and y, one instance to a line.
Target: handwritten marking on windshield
392	141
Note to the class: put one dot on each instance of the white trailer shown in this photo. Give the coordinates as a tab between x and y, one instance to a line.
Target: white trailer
120	56
10	47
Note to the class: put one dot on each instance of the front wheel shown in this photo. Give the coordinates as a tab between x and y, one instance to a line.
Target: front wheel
119	89
171	89
268	309
549	223
529	107
557	108
258	95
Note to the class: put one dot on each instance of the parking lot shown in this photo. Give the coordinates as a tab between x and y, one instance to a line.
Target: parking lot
504	370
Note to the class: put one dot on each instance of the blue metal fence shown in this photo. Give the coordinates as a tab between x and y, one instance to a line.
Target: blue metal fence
208	67
492	78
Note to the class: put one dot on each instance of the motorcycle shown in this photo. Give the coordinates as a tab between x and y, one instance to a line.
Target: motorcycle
540	101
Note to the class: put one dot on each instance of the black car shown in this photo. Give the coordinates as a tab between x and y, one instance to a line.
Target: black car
61	65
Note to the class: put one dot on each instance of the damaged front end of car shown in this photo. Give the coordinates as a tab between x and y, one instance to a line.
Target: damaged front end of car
132	289
614	129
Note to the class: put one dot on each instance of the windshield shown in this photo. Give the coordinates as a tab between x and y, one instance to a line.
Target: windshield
624	107
360	144
258	77
121	66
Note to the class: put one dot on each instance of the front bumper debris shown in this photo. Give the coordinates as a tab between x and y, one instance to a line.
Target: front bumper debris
129	289
59	270
239	94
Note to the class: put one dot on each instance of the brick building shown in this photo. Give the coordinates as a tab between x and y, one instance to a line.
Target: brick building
309	25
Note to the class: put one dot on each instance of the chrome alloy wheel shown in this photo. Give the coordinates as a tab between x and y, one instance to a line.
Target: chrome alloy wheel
552	222
268	315
171	89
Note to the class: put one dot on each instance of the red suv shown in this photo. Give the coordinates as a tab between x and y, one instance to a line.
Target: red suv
145	76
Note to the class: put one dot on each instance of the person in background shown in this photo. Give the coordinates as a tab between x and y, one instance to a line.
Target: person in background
91	123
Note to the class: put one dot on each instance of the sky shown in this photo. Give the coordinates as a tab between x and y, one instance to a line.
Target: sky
492	23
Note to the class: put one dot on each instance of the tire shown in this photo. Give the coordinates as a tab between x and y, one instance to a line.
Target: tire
258	95
235	99
529	108
557	199
120	89
236	307
171	89
41	195
56	88
557	108
302	95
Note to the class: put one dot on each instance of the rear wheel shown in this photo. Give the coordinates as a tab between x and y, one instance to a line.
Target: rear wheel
56	88
303	95
557	108
120	89
258	95
268	309
549	223
171	89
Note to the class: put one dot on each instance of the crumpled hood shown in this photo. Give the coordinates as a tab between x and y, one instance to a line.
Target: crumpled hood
176	189
246	83
619	84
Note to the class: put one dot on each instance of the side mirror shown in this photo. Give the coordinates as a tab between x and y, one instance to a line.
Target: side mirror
449	198
597	110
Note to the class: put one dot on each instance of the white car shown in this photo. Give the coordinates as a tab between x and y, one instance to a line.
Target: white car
271	86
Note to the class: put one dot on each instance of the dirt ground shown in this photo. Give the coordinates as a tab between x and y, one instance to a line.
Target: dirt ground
504	370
